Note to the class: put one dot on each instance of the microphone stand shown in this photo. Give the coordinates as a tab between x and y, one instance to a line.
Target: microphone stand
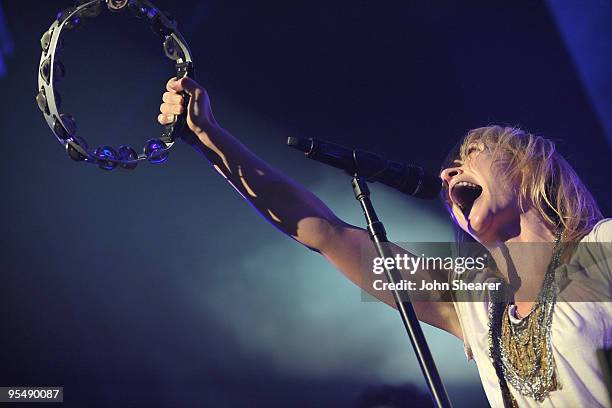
404	306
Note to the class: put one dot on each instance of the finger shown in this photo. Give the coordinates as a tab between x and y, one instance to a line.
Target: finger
165	119
185	84
169	85
172	98
171	109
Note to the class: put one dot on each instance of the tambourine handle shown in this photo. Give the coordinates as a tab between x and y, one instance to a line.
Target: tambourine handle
182	73
172	130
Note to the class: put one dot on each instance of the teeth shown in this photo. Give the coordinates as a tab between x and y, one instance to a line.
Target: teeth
467	184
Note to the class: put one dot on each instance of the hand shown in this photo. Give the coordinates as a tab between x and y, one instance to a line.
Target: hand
200	118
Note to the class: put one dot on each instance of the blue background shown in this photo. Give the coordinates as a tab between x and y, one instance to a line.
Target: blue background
162	287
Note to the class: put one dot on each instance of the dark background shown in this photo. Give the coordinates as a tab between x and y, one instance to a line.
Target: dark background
162	288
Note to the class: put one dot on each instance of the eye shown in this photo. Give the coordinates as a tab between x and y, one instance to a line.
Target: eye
474	148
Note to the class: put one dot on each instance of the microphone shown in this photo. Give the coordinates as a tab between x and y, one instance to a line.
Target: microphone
408	179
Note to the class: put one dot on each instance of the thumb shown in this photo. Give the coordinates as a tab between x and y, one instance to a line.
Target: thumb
185	84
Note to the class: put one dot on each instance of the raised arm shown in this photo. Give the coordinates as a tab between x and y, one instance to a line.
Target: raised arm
285	203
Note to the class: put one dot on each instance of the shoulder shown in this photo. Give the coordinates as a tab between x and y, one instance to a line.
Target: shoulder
590	265
601	232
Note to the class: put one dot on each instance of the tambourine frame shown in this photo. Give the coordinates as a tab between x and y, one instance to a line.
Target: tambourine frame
63	126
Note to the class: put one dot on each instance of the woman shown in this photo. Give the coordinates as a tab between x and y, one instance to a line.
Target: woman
503	188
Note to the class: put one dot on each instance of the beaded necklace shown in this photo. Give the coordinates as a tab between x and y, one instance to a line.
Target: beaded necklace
521	352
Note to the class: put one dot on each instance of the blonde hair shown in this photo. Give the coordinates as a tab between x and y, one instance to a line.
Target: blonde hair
546	179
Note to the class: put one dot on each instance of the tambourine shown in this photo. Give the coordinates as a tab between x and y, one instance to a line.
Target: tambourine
51	70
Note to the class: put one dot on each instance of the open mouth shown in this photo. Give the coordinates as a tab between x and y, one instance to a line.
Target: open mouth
464	194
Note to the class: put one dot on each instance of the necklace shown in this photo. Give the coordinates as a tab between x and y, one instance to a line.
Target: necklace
521	352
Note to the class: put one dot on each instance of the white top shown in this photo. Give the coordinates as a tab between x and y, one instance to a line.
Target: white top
578	330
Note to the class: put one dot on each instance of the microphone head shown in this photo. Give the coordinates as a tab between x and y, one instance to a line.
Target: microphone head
410	179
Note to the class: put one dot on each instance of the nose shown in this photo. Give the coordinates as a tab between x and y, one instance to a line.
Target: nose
448	174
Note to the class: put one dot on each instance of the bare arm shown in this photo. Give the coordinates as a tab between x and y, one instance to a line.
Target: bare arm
285	203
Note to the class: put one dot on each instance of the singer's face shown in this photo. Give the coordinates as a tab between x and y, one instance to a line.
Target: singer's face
483	200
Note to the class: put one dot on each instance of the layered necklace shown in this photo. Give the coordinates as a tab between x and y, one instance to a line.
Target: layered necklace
521	352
